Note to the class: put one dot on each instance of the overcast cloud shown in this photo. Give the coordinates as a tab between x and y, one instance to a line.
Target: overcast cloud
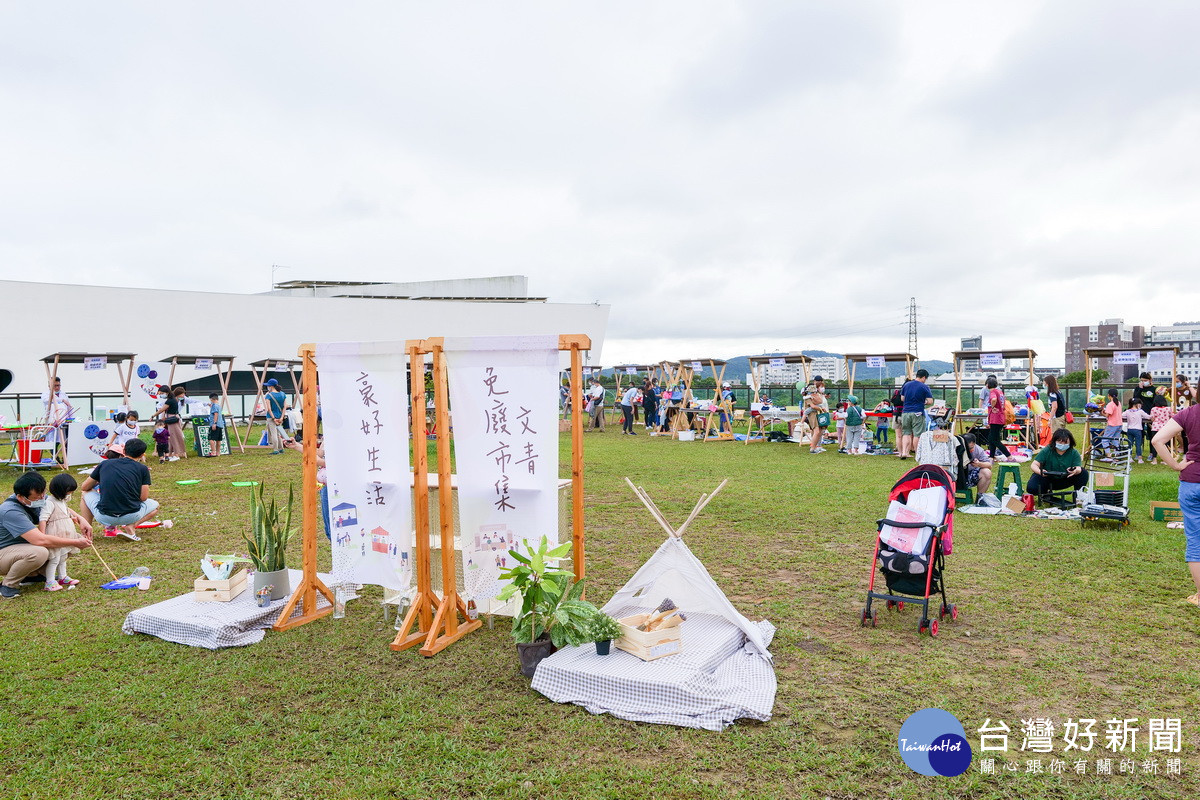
730	177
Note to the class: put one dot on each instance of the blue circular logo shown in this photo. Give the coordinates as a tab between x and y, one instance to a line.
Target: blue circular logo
933	742
143	370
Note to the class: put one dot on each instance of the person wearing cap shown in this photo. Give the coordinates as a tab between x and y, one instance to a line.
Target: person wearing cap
815	404
726	424
595	404
117	493
277	406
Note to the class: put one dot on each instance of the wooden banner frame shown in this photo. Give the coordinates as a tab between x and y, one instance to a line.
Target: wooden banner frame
436	619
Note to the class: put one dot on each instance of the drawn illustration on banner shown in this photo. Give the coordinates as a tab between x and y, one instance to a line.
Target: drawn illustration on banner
150	375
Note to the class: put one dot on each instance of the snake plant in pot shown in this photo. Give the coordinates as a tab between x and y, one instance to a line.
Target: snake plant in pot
552	613
270	531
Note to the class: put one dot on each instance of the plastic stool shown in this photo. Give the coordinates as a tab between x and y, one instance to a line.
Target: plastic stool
965	494
1002	479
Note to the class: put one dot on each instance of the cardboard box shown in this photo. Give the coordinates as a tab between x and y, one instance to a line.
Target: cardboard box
1014	505
1165	512
1105	479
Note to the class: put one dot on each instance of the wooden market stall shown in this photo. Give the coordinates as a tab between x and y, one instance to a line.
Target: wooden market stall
55	417
630	373
757	364
224	368
685	374
260	369
995	359
854	359
1112	352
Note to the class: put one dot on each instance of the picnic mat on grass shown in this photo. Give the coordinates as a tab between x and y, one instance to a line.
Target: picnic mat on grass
710	684
213	625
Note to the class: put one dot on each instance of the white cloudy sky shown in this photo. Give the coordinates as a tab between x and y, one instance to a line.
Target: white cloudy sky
729	176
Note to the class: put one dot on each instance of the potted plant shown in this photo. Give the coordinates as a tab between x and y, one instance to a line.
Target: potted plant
603	629
552	615
270	530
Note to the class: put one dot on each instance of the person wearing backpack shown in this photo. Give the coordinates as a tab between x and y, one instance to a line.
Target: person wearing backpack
854	425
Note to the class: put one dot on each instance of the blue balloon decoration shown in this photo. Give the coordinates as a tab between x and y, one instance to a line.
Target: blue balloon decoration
152	374
102	435
143	370
90	431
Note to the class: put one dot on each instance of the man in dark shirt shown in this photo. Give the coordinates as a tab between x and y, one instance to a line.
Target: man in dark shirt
24	548
916	396
117	493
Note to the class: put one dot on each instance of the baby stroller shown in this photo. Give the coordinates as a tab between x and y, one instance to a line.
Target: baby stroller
910	545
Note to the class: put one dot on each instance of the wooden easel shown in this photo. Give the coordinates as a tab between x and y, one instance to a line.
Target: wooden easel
310	584
223	376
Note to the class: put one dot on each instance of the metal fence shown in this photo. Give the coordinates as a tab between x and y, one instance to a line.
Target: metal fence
28	407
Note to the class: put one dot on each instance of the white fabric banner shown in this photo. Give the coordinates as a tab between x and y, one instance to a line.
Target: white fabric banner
503	397
1159	361
990	361
364	408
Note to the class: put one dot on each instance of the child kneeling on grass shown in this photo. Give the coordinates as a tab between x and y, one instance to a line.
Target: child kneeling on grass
57	519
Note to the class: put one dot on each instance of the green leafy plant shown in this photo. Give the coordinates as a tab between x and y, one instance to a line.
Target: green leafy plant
603	628
550	602
270	530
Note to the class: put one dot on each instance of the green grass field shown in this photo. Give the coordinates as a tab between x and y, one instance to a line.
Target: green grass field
1057	621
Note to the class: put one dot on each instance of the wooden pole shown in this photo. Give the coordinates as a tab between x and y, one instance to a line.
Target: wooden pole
306	593
577	555
426	603
223	377
957	385
446	629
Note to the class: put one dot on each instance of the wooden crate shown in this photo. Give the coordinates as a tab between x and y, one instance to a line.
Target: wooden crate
221	591
649	645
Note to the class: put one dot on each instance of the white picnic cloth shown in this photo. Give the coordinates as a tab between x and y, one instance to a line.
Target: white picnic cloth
715	680
213	625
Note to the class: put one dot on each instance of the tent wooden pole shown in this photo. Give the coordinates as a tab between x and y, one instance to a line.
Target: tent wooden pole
704	501
426	603
171	376
446	629
853	371
306	593
126	379
651	507
576	345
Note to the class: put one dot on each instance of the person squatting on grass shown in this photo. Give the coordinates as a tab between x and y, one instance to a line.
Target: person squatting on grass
24	547
117	493
58	519
1186	422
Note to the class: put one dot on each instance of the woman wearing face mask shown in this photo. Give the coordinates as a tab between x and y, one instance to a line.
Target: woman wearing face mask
1060	457
1185	395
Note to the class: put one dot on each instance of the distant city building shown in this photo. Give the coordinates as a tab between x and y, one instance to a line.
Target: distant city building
833	369
971	343
1111	333
1185	336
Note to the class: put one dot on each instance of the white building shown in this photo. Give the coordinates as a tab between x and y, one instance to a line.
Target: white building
1185	336
43	319
831	368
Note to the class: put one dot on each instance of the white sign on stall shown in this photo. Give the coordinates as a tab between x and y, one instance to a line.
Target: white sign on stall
95	362
875	362
505	450
204	363
777	362
697	366
1126	357
990	361
631	370
364	408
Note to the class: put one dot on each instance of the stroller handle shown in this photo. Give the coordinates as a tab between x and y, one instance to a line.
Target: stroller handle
894	524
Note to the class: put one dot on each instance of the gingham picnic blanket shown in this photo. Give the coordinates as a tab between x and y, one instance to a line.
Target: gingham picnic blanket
212	625
712	683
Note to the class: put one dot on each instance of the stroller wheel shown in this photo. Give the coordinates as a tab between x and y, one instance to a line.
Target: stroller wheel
890	605
933	627
863	620
875	619
953	612
922	624
899	605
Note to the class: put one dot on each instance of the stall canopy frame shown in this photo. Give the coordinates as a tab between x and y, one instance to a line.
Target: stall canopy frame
223	376
259	370
854	359
52	362
756	379
685	373
961	356
1107	352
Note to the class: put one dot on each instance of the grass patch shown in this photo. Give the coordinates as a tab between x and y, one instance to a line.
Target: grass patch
1057	621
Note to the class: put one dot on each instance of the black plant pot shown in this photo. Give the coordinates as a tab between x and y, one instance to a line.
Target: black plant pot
532	653
602	648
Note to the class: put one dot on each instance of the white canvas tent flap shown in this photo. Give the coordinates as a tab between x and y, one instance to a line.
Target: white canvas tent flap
675	572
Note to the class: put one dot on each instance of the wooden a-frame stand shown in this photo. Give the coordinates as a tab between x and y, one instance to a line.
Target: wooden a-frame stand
310	584
264	365
51	363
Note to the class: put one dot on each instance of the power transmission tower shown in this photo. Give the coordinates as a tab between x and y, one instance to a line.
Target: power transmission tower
912	326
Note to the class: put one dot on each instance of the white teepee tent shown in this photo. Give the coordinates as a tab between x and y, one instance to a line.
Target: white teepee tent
675	572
